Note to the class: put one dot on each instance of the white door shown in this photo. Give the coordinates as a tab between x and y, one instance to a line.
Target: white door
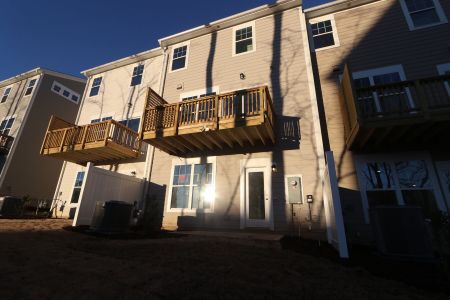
257	197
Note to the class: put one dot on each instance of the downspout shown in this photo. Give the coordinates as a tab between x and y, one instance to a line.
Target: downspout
150	149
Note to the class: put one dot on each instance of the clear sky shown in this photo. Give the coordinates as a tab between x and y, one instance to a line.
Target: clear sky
73	35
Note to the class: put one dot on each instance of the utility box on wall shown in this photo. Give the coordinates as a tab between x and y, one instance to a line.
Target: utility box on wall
294	191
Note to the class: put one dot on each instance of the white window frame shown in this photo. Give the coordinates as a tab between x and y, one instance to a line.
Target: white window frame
7	118
102	117
370	73
10	87
233	38
391	158
32	87
191	161
71	204
439	11
188	49
214	89
64	88
99	86
337	43
442	69
132	76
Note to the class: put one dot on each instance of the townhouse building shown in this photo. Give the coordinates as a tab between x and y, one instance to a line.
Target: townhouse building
382	78
105	134
27	102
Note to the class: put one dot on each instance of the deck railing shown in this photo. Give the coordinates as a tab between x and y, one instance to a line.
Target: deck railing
5	143
86	134
421	98
210	110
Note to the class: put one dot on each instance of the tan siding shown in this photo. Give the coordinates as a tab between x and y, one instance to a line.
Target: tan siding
29	173
289	90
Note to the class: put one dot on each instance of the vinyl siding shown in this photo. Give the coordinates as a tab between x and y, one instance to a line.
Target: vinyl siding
289	89
373	36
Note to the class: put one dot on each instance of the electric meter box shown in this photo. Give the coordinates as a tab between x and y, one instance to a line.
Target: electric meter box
294	189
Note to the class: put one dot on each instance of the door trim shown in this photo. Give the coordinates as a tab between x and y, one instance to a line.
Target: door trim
255	163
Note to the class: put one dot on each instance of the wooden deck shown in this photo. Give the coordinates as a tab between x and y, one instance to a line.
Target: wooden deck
405	114
99	143
226	121
5	143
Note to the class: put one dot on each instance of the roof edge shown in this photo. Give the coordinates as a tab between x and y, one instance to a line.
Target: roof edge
333	7
37	71
123	62
236	19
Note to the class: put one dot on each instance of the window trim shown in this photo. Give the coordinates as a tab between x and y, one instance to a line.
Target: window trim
31	87
442	68
188	49
233	38
100	117
362	159
81	188
7	118
133	76
191	161
214	89
63	88
92	86
439	11
330	18
10	87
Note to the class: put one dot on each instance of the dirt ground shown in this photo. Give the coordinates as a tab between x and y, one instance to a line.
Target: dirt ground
41	260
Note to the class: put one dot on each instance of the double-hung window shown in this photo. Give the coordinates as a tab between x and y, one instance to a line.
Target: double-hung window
137	75
95	88
323	33
244	38
6	125
179	57
422	13
192	186
30	87
377	93
77	187
5	95
444	69
97	120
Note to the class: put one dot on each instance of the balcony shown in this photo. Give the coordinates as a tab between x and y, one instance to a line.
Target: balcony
5	143
243	118
408	114
100	143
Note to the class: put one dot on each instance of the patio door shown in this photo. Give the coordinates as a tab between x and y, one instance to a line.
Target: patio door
257	197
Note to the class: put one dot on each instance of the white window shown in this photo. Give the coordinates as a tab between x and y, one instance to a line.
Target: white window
133	123
199	93
444	69
6	125
192	185
5	95
376	102
179	58
97	120
244	38
422	13
30	87
404	179
77	187
136	79
95	87
323	33
65	92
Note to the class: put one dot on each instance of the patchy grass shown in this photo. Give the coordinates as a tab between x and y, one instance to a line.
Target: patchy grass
38	259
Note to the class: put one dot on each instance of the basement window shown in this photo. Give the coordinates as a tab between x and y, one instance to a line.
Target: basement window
137	75
324	34
422	13
30	87
5	95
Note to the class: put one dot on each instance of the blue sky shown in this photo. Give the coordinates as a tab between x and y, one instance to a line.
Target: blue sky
71	36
